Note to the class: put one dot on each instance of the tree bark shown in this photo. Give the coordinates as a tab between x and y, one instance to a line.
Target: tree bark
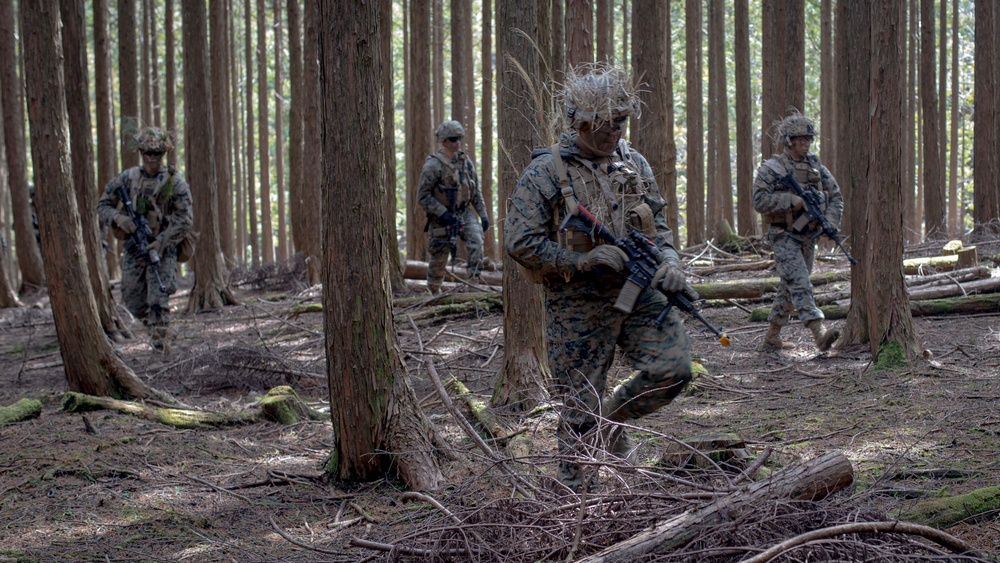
89	360
219	33
29	257
853	132
486	154
295	202
522	380
746	217
279	135
251	189
374	408
419	128
107	147
889	320
695	124
605	29
784	69
933	172
82	151
461	67
579	32
437	62
955	219
146	84
986	126
128	82
240	175
171	75
828	100
722	203
263	145
312	143
813	480
389	146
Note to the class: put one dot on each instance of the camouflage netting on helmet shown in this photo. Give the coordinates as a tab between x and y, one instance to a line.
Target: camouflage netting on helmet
154	139
598	93
449	129
795	125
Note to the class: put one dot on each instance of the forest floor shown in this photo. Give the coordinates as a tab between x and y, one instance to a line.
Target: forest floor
107	486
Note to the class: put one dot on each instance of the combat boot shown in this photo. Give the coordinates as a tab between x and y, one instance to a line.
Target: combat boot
824	338
773	338
620	445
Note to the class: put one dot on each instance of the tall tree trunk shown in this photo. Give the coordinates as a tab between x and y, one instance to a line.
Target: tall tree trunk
668	188
437	62
890	322
263	144
605	29
395	267
524	375
7	296
652	134
746	217
695	124
784	69
279	135
211	289
236	142
955	224
74	39
461	67
558	24
986	125
579	32
722	203
171	77
418	115
128	82
911	227
933	172
828	109
220	112
942	114
29	256
295	202
486	166
853	131
146	99
312	142
107	147
251	195
90	362
360	336
154	71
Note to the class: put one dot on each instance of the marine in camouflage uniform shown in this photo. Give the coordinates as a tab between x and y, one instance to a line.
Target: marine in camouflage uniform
592	165
792	235
449	192
160	194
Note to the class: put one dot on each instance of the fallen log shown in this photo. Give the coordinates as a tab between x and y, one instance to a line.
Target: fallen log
23	409
517	444
739	267
961	282
757	288
963	258
948	511
970	305
965	274
416	270
812	480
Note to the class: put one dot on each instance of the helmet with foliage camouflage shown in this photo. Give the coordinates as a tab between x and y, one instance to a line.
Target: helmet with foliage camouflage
795	125
154	139
598	93
449	129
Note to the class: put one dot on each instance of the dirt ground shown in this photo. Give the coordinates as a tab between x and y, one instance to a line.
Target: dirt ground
107	486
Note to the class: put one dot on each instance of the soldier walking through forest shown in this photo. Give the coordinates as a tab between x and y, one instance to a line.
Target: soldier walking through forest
791	232
593	166
149	207
449	191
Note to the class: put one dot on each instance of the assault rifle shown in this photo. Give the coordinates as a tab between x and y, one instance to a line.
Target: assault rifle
140	236
814	213
643	261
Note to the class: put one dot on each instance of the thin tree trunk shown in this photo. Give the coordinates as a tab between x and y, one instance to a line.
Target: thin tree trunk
312	144
279	135
746	217
890	322
360	336
933	175
211	289
605	29
912	226
558	41
579	32
461	66
986	125
154	71
7	296
90	362
695	124
417	119
146	99
437	62
251	195
486	166
29	256
395	267
524	375
263	144
107	147
828	109
723	201
236	142
171	91
942	114
295	202
220	112
955	225
74	38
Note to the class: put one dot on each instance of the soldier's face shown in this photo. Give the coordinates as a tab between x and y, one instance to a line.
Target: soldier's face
603	140
152	161
798	147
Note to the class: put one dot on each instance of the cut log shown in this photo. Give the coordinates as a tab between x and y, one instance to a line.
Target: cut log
812	480
959	282
757	288
416	270
948	511
738	267
989	285
952	248
23	409
963	258
965	274
973	304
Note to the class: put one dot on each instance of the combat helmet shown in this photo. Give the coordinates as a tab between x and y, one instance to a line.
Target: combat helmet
795	125
598	93
449	129
154	139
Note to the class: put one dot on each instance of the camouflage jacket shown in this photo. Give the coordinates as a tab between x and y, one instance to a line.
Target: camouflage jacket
435	177
774	201
164	199
536	206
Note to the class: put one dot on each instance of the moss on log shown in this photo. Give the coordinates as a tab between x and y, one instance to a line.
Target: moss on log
757	288
282	405
971	304
23	409
948	511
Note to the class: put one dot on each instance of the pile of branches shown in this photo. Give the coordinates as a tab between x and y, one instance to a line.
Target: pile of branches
289	275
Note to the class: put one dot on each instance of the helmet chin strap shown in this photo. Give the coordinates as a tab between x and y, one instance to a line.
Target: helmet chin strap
588	147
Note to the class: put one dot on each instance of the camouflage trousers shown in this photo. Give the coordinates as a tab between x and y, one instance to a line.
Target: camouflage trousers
142	294
439	249
583	329
793	258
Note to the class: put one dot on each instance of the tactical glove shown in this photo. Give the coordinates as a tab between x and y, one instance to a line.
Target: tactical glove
153	249
125	223
604	255
797	203
486	224
447	218
670	277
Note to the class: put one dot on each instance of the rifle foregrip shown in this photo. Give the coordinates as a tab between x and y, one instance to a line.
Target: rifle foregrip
627	297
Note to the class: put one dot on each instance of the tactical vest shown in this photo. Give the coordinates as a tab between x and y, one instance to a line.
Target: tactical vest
455	178
805	173
145	193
